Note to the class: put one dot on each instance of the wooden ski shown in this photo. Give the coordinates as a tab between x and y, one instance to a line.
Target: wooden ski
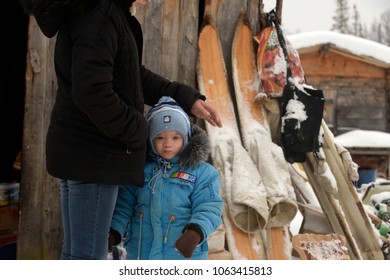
343	208
241	244
359	223
244	223
257	140
331	208
212	77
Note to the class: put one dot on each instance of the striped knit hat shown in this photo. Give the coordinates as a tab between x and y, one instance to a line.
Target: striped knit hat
168	115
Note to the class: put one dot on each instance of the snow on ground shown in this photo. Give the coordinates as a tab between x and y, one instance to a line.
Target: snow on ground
355	45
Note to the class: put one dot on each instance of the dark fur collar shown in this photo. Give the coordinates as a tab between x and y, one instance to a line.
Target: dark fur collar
197	150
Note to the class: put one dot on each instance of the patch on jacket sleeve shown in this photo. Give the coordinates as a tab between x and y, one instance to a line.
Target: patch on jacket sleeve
184	176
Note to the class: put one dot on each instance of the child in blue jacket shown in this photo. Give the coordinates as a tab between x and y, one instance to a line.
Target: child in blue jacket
179	205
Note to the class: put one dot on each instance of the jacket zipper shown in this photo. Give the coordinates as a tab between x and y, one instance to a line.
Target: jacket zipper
172	218
211	191
141	218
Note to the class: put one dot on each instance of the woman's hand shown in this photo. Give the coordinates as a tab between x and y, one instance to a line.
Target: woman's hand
206	111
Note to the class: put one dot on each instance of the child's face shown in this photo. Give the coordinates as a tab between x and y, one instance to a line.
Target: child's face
168	144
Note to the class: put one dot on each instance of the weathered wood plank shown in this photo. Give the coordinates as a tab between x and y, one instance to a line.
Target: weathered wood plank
189	19
40	227
355	112
151	20
170	38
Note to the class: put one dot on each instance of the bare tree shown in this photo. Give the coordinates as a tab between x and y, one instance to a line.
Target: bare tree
341	18
357	26
373	34
385	26
379	33
379	29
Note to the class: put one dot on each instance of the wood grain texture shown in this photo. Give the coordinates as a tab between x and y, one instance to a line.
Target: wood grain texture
40	226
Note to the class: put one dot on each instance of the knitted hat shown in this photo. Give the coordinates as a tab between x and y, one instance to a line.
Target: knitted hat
168	115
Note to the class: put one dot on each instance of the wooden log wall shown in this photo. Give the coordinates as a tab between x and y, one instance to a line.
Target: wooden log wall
354	103
355	90
337	64
170	42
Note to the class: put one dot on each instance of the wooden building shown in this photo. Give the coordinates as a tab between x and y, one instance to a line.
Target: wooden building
354	74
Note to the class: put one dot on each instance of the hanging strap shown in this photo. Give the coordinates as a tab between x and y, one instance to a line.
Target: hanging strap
274	18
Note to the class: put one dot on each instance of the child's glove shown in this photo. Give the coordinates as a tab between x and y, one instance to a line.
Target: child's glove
187	243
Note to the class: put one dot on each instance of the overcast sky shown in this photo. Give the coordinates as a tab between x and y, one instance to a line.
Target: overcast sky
310	15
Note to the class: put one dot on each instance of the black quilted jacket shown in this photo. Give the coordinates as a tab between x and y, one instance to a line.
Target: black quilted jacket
98	131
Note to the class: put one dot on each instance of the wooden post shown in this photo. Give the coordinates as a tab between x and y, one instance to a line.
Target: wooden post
40	226
278	7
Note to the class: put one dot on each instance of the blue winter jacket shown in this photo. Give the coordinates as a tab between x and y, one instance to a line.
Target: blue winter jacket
176	193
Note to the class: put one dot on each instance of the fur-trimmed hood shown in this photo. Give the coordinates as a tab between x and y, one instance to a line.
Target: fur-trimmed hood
197	150
50	14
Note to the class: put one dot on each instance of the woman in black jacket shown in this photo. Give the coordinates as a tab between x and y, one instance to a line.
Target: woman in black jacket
97	135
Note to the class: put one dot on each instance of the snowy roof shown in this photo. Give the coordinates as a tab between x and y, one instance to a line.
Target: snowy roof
364	139
348	43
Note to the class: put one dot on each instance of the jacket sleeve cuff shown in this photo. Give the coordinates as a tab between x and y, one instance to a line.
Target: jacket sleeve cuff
196	228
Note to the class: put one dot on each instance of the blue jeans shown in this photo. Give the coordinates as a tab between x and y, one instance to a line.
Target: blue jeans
87	209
